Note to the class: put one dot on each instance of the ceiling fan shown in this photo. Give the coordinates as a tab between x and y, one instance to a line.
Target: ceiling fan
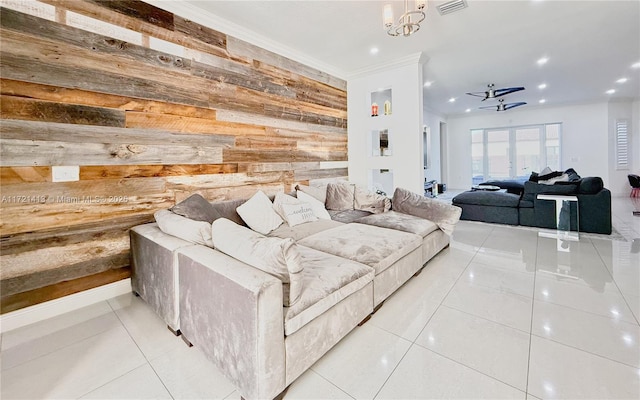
495	93
502	106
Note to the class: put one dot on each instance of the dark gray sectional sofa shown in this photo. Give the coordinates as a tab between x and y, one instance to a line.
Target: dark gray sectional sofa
521	207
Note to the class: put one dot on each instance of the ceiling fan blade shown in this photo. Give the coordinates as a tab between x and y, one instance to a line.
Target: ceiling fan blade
490	107
505	91
513	105
478	94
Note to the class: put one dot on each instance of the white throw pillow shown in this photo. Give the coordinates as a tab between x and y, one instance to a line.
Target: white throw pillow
316	205
258	213
281	199
275	256
198	232
318	192
296	214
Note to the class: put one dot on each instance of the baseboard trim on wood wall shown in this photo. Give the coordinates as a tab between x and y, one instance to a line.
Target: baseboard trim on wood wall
52	308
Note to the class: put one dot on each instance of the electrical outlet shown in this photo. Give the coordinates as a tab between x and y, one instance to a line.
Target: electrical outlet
65	173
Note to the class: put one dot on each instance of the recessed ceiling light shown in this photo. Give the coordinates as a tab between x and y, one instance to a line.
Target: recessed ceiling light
610	91
428	84
467	110
452	100
542	61
542	86
622	80
374	50
636	65
542	101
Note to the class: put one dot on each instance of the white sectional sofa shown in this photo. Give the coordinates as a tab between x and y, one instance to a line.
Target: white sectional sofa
264	308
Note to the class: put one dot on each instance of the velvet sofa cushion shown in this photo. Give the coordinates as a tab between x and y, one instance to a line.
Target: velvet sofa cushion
275	256
326	280
590	185
444	215
340	196
197	232
487	198
376	247
347	216
366	200
302	231
532	189
511	186
227	209
400	222
197	208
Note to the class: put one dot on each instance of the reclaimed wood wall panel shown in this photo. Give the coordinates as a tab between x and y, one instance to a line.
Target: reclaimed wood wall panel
152	108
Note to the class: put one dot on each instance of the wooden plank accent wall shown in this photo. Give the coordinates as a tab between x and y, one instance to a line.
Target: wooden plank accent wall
179	109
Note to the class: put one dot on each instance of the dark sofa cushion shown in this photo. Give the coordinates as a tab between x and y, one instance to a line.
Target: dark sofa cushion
197	208
486	198
591	185
514	187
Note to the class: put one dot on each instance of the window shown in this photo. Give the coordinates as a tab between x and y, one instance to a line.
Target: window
514	152
622	144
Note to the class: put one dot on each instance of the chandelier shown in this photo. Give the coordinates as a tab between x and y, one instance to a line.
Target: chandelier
408	23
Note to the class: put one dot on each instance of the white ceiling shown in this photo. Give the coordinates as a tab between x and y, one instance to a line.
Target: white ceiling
590	44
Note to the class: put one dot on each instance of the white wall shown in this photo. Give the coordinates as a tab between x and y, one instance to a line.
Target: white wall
404	124
585	137
618	181
433	120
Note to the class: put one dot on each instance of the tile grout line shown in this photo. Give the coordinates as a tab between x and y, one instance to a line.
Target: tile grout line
413	343
61	348
141	352
533	303
613	279
586	351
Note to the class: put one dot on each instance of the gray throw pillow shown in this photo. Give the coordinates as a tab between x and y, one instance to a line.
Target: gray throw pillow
197	208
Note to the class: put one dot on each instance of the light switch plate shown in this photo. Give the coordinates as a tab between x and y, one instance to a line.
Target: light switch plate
65	173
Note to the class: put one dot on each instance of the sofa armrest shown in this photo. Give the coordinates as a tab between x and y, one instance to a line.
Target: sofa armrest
233	313
154	270
446	216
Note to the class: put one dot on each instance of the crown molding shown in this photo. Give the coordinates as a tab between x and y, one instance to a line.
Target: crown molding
412	59
200	16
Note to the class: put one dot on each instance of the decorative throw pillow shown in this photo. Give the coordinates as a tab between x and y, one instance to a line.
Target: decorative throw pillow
442	214
198	232
197	208
546	171
561	178
316	205
281	199
591	185
258	213
275	256
366	200
319	193
340	196
296	214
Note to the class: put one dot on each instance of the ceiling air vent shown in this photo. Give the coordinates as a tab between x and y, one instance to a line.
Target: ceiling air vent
451	6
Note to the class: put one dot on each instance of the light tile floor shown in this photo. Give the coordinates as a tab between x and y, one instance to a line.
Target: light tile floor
502	313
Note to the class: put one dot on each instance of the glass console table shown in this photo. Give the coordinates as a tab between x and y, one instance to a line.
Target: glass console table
563	217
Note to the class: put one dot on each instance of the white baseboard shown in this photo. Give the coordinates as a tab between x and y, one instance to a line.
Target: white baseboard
52	308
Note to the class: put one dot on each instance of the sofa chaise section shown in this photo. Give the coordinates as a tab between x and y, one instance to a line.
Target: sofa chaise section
234	314
394	255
